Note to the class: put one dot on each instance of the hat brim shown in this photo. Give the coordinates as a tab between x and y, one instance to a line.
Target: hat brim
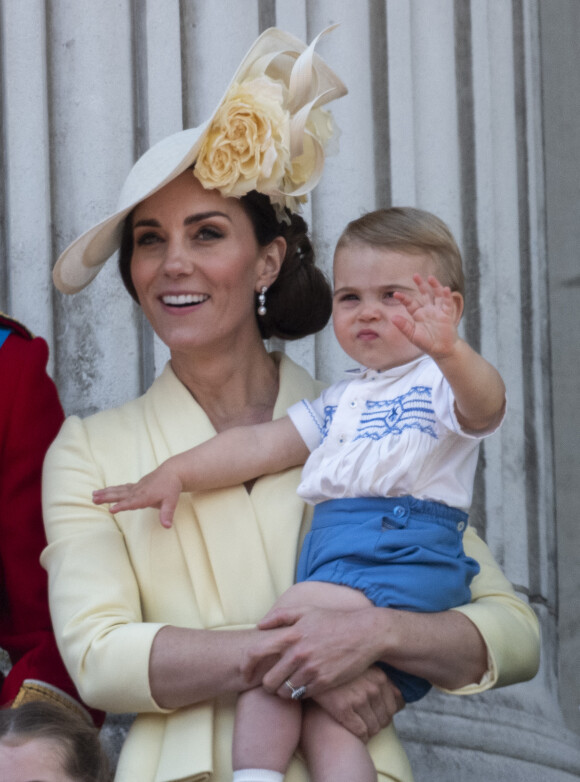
82	260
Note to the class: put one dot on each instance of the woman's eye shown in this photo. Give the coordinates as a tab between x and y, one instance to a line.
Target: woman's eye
147	238
208	232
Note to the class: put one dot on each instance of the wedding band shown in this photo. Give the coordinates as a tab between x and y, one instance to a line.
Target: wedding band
290	686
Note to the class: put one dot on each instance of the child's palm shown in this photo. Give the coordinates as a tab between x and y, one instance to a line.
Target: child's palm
432	326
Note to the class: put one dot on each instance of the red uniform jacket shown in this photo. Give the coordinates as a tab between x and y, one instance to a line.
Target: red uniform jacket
30	417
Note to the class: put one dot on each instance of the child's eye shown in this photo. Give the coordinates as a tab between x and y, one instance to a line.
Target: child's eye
349	297
389	297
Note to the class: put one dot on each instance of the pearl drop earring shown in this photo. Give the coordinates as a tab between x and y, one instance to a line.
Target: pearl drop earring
262	301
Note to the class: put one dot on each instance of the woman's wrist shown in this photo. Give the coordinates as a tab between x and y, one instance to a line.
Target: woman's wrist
187	666
445	648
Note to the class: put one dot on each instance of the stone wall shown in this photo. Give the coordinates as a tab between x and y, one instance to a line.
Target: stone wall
468	108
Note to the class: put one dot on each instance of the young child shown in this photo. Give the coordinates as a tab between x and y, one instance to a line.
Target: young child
393	452
44	741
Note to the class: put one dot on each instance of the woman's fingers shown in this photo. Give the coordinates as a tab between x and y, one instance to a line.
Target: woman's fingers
322	649
365	705
280	617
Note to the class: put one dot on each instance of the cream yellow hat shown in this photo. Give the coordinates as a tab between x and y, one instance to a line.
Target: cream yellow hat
268	133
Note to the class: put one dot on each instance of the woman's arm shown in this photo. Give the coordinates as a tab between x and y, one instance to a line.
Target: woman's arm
188	666
493	641
101	575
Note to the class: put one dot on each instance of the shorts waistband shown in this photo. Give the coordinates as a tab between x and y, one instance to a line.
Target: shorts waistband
353	509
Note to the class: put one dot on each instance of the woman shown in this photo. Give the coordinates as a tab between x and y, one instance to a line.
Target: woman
162	623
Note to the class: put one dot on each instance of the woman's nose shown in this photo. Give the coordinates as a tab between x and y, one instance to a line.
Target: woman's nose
177	259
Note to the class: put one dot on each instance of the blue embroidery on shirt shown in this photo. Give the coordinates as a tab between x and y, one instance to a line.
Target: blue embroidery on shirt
314	418
329	412
328	416
412	410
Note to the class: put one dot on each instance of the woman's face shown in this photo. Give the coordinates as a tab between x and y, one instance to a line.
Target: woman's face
36	760
196	265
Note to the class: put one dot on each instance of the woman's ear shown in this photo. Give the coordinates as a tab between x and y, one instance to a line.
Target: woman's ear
272	259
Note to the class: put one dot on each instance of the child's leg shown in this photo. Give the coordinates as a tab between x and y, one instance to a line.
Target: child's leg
332	753
267	728
322	594
266	731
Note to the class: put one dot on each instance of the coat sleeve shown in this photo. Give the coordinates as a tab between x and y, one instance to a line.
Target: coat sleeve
94	589
30	418
507	624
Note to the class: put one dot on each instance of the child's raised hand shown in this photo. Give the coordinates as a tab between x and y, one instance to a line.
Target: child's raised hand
158	489
434	315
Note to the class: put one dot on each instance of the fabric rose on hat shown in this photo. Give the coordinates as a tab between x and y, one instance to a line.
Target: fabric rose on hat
270	132
247	146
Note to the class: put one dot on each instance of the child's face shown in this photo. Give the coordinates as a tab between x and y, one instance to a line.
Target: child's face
365	278
36	760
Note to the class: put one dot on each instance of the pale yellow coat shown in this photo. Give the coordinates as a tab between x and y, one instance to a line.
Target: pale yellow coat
115	581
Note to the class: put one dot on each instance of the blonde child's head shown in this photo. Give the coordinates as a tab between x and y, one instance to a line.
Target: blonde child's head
410	231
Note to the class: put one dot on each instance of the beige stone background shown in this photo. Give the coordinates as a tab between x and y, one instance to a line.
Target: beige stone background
469	108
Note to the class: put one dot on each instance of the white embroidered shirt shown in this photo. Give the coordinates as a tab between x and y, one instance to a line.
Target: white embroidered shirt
387	434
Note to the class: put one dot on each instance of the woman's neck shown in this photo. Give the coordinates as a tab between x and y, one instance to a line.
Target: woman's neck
233	389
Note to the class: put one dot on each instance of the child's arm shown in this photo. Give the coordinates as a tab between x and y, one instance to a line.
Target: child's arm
228	459
477	386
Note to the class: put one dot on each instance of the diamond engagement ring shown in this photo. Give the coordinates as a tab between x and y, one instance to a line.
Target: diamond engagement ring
296	692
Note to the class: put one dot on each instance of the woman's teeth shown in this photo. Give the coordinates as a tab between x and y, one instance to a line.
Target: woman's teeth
184	299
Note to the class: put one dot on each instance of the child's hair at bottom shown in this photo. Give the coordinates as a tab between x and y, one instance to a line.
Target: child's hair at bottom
84	758
410	230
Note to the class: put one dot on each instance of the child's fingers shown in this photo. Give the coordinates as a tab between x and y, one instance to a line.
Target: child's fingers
112	493
117	507
167	511
405	326
126	504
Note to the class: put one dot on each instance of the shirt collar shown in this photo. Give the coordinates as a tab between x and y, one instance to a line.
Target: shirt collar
360	373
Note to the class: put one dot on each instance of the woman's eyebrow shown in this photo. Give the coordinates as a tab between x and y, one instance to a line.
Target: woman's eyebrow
197	218
151	222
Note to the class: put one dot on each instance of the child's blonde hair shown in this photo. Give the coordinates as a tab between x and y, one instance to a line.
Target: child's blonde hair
409	230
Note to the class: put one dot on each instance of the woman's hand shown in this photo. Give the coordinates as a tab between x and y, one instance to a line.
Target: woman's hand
364	706
324	648
318	647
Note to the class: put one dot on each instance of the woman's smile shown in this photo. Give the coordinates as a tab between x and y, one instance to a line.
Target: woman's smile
182	300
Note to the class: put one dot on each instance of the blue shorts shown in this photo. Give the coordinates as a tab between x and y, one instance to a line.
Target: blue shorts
399	551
